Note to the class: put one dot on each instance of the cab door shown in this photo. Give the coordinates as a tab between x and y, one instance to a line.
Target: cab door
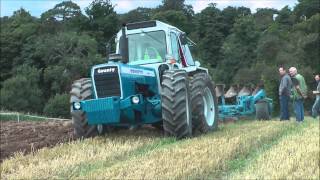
180	51
185	51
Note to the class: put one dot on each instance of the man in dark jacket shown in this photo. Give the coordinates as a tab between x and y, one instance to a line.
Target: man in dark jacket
284	94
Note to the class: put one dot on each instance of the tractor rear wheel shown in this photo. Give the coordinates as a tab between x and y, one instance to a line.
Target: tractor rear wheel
176	104
81	90
204	104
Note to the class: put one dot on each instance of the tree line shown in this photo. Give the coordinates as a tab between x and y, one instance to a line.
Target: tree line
41	57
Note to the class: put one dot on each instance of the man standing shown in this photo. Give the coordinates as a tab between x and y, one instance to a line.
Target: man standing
316	105
299	92
284	94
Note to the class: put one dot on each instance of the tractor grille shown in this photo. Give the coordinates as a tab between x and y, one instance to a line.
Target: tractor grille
107	81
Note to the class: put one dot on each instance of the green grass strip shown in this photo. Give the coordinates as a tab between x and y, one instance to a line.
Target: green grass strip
20	117
23	117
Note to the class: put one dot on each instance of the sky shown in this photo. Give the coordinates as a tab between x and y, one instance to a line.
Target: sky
37	7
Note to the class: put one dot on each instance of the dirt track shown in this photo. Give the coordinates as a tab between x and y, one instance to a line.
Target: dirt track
27	136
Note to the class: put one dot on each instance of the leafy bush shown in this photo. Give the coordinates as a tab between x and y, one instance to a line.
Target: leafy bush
21	92
58	106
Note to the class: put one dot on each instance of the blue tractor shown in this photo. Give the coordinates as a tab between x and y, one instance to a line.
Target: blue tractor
153	79
247	102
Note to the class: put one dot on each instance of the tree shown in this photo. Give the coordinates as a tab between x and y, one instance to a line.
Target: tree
305	38
136	15
57	106
285	17
63	11
179	6
71	59
15	32
22	92
274	48
264	17
62	58
230	14
65	15
209	30
103	22
175	18
306	8
239	49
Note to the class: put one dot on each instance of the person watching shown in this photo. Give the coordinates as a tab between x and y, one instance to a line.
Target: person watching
316	105
299	93
284	94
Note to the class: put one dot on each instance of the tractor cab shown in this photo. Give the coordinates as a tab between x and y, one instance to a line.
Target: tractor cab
153	42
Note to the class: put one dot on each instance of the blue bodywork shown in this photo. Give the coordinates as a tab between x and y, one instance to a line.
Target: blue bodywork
245	105
135	81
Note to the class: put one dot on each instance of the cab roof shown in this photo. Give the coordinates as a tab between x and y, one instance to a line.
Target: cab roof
137	27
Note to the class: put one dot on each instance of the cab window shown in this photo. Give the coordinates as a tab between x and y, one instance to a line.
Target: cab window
188	55
147	47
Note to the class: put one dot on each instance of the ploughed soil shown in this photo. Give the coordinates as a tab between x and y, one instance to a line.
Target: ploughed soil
28	136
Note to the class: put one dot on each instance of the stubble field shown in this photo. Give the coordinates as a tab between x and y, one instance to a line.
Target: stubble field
240	150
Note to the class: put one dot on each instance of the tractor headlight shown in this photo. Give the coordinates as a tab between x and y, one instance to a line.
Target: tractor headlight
77	105
135	100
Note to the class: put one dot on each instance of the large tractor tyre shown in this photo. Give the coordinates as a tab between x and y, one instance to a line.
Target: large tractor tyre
176	104
262	110
204	104
81	90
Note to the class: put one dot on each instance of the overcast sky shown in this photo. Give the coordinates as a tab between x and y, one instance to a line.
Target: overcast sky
37	7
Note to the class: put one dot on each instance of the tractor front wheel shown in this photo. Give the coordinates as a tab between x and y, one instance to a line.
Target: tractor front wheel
81	90
176	104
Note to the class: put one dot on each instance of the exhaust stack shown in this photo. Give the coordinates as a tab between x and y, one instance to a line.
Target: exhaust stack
124	49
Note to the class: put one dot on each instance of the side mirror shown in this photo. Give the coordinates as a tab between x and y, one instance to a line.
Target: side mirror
197	63
183	39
